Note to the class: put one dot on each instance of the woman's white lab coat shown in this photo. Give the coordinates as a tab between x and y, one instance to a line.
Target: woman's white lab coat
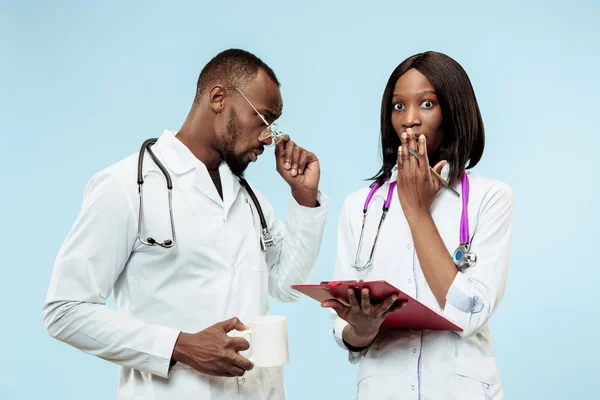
415	364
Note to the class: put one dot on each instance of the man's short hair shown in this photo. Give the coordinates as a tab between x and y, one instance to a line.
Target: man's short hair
232	68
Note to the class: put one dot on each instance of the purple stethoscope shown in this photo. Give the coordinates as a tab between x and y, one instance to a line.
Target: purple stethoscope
462	256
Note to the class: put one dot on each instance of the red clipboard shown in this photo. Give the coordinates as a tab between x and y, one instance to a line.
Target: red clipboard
414	315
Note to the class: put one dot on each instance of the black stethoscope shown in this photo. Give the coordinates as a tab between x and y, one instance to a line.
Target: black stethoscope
266	238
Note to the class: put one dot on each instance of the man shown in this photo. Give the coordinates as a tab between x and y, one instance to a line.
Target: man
176	303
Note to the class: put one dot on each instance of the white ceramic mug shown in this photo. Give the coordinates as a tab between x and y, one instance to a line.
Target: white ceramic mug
268	341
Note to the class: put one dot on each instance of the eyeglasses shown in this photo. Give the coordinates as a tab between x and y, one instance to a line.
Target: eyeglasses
271	132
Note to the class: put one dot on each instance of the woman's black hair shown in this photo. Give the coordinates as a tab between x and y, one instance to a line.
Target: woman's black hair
462	124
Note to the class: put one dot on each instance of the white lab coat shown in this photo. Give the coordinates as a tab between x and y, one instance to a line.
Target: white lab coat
216	271
414	364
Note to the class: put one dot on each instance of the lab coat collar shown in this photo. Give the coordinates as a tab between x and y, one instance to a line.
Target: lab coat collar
177	156
181	160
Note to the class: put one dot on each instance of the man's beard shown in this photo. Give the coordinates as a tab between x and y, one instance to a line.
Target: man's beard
235	162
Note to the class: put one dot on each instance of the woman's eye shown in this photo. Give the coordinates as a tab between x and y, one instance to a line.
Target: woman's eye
427	104
398	106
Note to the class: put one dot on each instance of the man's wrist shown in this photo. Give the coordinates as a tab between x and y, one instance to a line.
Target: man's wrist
306	198
178	348
173	354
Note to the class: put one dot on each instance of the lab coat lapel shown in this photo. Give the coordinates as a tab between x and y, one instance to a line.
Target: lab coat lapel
205	185
230	184
181	160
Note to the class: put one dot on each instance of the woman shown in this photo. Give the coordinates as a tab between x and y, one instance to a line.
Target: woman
429	107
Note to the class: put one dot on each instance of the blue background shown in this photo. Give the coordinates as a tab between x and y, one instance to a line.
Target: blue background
83	84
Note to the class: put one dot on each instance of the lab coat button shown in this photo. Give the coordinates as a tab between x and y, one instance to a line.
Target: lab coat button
408	246
412	387
414	350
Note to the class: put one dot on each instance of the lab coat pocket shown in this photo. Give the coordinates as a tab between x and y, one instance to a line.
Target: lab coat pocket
480	378
365	383
261	263
274	383
259	280
184	383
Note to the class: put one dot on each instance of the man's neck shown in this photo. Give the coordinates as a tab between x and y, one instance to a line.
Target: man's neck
216	178
195	136
199	144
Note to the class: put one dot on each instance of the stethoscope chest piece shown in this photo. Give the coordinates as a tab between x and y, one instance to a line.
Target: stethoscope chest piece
463	258
266	240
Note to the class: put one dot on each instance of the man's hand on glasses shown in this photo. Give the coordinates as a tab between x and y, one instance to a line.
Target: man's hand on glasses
300	169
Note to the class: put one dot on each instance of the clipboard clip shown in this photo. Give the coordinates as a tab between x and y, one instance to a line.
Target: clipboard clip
337	283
